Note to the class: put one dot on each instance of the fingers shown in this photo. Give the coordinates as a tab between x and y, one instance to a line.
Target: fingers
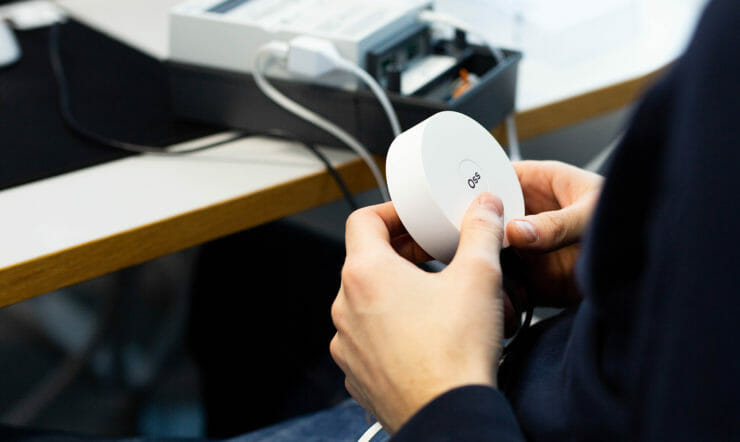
409	249
335	348
377	227
551	185
481	236
553	229
367	227
371	226
561	196
536	180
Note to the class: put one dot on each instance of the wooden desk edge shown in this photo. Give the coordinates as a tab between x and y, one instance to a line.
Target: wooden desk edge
86	261
544	119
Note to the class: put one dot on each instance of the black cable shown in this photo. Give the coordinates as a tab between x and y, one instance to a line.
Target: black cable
286	135
69	120
340	182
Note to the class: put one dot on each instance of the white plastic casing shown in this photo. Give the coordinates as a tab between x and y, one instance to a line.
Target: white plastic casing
225	34
437	168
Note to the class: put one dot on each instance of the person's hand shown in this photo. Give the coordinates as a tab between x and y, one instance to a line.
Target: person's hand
405	336
559	201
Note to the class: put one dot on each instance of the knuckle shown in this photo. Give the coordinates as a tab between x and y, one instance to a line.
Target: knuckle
353	274
337	314
334	349
356	217
361	268
351	219
358	283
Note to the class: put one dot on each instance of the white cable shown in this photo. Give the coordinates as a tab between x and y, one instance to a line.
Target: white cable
432	17
277	50
380	94
368	435
312	57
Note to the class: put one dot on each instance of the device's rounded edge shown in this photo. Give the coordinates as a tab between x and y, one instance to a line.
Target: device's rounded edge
413	199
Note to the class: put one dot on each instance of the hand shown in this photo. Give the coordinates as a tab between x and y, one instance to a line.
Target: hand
559	201
405	336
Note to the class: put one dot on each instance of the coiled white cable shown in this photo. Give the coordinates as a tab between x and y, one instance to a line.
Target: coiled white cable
432	17
278	51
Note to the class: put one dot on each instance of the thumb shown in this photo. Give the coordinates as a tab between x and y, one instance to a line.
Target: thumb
481	235
549	230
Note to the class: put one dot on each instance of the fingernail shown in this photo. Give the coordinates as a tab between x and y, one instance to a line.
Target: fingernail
530	234
491	202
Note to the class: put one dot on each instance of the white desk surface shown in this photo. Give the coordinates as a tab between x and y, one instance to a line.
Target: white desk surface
74	208
655	32
64	229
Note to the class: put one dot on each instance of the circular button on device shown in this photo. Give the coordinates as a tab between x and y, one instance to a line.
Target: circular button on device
472	177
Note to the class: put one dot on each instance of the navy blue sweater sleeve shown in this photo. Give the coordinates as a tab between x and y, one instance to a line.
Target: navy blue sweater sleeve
660	270
472	413
651	353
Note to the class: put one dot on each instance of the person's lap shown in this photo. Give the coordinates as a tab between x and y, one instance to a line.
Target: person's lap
345	422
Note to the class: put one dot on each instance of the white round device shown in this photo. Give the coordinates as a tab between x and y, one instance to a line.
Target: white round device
437	168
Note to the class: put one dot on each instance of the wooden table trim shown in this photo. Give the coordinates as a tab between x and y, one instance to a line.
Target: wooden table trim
550	117
88	260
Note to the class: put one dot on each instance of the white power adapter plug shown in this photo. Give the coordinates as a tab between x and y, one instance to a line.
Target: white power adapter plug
312	57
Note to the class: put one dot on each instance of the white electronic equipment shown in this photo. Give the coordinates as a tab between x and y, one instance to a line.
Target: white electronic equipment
225	34
437	168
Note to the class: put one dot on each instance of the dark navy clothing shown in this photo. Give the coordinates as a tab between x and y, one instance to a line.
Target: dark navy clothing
652	352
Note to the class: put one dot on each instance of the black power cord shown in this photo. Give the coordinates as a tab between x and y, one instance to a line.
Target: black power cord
79	129
285	135
69	119
340	182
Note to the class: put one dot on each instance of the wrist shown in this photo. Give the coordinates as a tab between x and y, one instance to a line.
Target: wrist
421	394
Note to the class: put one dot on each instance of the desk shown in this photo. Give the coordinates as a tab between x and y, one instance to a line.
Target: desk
76	226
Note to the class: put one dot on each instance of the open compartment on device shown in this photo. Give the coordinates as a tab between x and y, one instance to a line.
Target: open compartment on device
232	99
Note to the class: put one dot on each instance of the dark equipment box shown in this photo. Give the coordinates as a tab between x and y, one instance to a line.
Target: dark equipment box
232	99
